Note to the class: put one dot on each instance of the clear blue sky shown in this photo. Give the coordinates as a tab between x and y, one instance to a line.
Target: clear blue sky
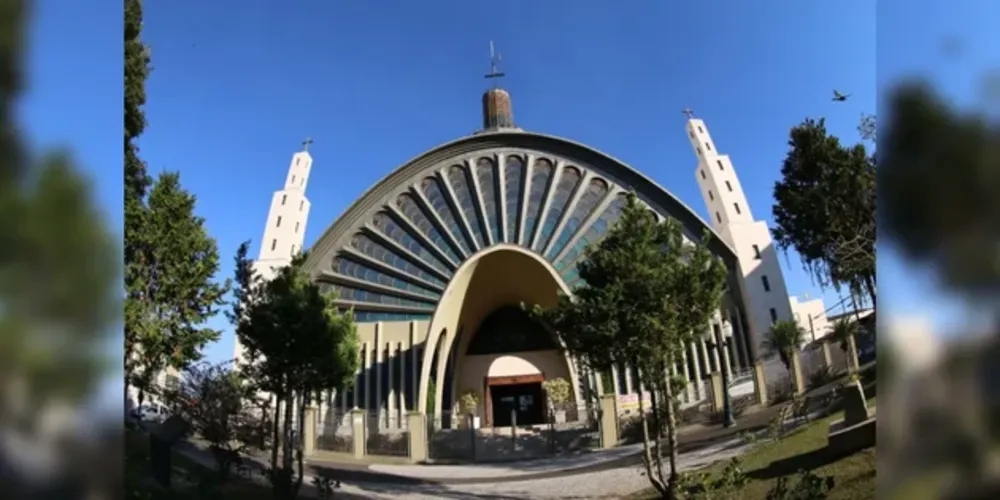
237	85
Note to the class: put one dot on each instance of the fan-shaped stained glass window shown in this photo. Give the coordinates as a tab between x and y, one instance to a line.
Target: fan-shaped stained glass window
408	205
596	190
379	252
487	176
594	233
355	294
568	180
513	182
361	271
510	329
385	223
541	173
463	192
434	192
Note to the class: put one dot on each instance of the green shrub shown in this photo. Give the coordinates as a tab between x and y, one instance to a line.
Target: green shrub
808	487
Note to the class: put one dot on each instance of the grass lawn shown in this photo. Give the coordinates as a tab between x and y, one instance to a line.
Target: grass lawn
854	475
187	474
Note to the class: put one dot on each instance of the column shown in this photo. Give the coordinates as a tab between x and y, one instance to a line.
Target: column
740	335
629	388
390	398
614	379
697	369
415	355
716	366
365	377
705	357
689	387
377	366
401	392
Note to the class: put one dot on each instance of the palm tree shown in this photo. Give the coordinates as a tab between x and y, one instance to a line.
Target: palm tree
784	338
841	332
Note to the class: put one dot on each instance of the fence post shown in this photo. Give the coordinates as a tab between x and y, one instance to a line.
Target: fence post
717	394
827	357
417	424
309	432
760	383
852	353
800	386
358	432
609	420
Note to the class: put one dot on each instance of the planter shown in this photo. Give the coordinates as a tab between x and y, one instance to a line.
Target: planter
559	416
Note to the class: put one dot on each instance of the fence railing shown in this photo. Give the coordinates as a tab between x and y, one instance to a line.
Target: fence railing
386	435
334	432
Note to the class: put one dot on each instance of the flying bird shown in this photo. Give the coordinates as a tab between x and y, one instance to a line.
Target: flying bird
837	96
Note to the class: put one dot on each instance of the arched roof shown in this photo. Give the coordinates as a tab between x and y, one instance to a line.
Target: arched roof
391	254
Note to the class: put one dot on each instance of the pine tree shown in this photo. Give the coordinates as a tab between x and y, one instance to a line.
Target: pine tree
646	294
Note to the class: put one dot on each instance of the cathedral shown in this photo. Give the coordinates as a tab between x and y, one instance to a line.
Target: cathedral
436	258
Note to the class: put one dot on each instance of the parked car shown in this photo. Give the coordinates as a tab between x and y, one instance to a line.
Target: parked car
150	413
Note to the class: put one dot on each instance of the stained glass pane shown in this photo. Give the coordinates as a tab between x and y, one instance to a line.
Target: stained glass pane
385	223
435	195
510	329
487	176
564	190
594	234
596	189
513	180
541	172
379	252
411	209
361	271
463	194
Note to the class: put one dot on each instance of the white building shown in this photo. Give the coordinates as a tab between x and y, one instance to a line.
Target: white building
811	316
730	215
285	229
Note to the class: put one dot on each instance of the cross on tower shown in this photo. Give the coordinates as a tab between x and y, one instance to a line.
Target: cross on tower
306	143
688	113
494	61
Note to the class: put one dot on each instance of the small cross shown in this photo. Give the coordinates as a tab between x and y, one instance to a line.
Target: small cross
306	143
494	61
688	112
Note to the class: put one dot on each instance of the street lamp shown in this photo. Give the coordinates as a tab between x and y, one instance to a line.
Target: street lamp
720	340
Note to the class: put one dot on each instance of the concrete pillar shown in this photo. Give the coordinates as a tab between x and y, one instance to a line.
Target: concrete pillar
698	383
366	361
393	420
614	379
717	389
415	356
377	366
760	383
416	424
609	421
689	387
852	354
358	432
714	351
704	355
827	357
797	380
309	432
740	337
629	387
726	360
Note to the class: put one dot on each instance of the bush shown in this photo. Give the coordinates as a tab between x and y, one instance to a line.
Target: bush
821	377
808	487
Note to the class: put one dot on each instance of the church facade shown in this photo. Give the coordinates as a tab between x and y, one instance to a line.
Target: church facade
436	259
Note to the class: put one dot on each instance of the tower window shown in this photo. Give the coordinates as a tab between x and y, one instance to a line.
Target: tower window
729	186
297	161
278	223
721	167
756	252
284	198
274	244
701	130
691	134
302	204
718	217
297	228
711	196
293	179
708	146
699	152
702	174
293	249
767	284
774	315
737	207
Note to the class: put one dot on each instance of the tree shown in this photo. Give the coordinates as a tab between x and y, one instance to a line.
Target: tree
645	294
784	338
220	409
137	181
938	186
298	345
867	128
176	288
58	276
841	332
825	208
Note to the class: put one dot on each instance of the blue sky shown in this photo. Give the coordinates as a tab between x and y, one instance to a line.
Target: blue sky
237	85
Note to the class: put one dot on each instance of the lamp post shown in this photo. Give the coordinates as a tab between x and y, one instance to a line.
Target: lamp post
719	341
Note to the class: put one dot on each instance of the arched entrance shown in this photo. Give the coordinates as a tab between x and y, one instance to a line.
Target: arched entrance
510	355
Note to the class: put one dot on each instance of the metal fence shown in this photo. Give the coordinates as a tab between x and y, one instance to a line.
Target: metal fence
334	432
386	435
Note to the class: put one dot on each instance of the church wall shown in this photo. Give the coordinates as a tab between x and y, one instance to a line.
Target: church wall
475	369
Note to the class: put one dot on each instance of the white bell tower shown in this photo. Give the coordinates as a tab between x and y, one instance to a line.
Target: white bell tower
731	217
284	232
